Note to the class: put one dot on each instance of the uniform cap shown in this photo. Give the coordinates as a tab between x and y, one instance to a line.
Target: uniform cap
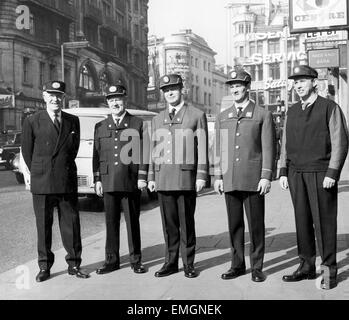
170	80
54	86
303	71
239	76
116	90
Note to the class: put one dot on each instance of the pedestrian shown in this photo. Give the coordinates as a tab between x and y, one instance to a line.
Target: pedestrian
178	171
245	146
314	148
119	177
50	143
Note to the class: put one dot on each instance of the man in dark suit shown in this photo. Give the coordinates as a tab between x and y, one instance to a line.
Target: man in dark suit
179	170
314	148
50	143
246	154
120	174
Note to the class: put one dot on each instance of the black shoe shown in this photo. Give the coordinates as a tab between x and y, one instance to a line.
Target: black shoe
299	276
233	273
258	276
166	270
138	267
43	275
107	268
329	283
190	272
76	271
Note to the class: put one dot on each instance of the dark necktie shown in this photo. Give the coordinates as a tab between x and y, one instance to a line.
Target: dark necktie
117	121
239	112
56	122
305	105
173	113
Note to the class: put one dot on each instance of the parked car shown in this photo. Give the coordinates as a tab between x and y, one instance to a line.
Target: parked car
88	118
9	146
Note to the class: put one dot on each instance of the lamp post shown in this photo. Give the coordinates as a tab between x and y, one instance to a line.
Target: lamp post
71	45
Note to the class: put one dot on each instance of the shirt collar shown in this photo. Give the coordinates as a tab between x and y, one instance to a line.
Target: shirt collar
242	105
119	118
52	115
310	100
177	108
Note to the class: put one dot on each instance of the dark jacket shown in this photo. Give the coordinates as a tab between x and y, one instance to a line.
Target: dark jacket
118	154
245	148
49	156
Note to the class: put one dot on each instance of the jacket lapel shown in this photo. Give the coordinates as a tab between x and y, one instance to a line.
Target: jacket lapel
63	133
249	111
49	128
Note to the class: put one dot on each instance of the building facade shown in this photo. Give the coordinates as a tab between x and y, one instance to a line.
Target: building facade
190	56
104	41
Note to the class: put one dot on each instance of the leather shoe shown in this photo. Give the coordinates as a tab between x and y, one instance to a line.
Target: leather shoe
190	272
76	271
258	276
166	270
138	267
107	268
43	275
233	273
329	284
299	276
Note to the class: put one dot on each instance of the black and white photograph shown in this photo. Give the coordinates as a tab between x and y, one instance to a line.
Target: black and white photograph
174	156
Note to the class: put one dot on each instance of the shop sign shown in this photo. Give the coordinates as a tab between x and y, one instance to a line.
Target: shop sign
316	15
6	101
276	84
325	58
259	58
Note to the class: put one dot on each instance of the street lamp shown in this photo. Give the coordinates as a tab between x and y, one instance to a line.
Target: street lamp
71	45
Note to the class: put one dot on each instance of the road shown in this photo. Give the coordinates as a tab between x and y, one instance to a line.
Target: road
17	222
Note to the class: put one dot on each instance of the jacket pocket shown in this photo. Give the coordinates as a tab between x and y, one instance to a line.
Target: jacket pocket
188	167
103	168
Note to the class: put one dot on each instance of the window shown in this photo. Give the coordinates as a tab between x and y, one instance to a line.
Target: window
135	6
260	46
252	71
260	72
248	28
274	46
252	48
205	98
197	94
241	28
192	61
67	75
209	99
209	83
242	54
197	79
86	79
260	96
58	36
274	70
41	74
205	81
209	67
26	66
196	62
205	65
52	72
274	96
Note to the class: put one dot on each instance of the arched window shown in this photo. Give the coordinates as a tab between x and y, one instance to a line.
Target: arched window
86	79
104	81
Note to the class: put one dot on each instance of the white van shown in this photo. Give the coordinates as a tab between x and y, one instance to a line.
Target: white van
88	118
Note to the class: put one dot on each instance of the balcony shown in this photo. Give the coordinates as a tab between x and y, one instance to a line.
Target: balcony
60	7
93	13
110	23
126	34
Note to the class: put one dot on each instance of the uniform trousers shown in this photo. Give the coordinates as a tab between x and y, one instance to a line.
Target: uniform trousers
316	218
177	214
254	207
130	203
69	224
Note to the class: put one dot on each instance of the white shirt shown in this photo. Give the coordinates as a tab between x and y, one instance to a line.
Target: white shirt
52	116
307	103
119	118
177	108
242	105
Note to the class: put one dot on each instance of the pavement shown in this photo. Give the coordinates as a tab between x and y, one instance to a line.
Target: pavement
212	259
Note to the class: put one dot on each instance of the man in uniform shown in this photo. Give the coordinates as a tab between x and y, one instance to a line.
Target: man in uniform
246	153
50	143
314	148
119	175
178	171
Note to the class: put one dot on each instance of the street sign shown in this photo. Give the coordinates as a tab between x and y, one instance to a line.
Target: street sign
76	44
325	58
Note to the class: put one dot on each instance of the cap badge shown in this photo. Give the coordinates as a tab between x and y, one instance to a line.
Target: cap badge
233	75
112	89
56	85
297	70
166	79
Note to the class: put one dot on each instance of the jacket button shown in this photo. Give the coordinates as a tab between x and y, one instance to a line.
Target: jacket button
116	139
238	134
116	155
237	147
116	147
116	163
237	160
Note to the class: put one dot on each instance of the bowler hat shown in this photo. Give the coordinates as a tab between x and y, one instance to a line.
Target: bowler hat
303	71
54	86
171	80
239	76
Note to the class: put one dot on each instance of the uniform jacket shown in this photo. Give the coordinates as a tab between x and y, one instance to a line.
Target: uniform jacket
50	156
118	154
245	148
179	153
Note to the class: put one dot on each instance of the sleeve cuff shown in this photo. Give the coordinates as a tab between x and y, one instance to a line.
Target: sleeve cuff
333	174
283	172
267	174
